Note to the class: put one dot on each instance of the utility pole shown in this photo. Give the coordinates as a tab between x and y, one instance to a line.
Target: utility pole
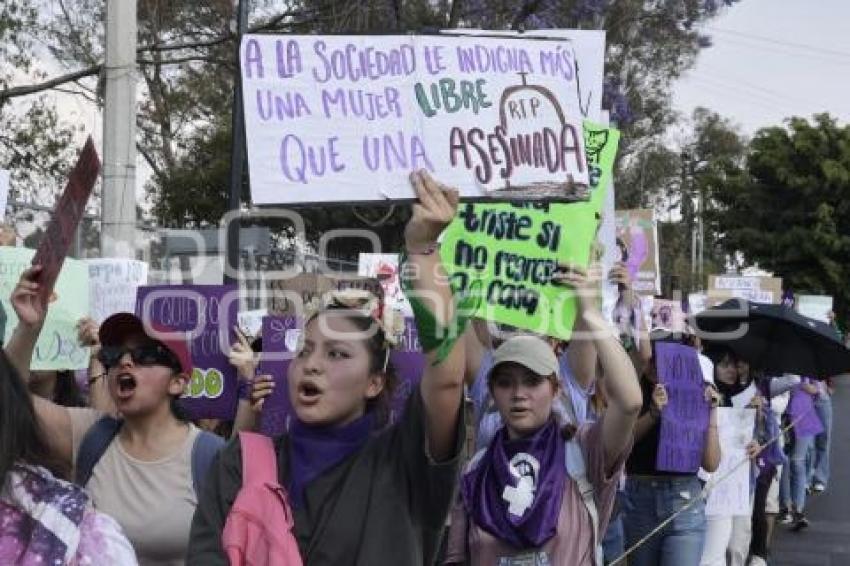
118	233
237	147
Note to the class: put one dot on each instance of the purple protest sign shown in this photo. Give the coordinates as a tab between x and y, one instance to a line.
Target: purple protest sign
684	419
185	308
801	409
275	362
280	334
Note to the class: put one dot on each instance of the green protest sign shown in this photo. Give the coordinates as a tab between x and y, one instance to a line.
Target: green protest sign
57	347
506	253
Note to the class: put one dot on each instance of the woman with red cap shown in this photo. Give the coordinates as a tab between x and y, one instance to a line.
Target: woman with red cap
143	467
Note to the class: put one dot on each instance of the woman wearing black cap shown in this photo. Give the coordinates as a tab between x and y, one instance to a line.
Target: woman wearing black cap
142	468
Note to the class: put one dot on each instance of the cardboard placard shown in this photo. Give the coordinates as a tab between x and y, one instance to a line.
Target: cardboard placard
755	289
731	496
505	254
684	419
492	116
57	347
66	216
206	315
637	237
113	283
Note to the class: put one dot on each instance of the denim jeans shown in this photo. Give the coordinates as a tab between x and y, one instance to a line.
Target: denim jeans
613	542
819	462
792	488
650	501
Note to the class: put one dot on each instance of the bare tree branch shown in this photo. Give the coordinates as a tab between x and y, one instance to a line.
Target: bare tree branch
24	90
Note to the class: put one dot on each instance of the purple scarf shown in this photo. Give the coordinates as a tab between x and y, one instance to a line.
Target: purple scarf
515	491
315	449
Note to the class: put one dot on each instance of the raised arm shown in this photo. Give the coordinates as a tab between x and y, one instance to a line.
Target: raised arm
31	312
442	382
99	397
624	395
477	340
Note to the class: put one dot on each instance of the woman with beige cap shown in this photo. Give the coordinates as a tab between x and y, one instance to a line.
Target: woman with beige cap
541	493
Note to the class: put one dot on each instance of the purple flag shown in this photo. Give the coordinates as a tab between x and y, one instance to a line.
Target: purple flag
183	308
279	337
684	419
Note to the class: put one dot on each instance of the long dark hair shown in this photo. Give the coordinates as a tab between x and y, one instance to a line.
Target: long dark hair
21	437
67	391
376	345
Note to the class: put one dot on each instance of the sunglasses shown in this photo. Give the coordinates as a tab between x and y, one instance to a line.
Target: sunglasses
153	354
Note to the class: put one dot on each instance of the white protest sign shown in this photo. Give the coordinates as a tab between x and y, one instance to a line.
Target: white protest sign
57	347
384	268
4	192
251	322
755	289
697	302
112	285
346	118
731	495
589	49
817	307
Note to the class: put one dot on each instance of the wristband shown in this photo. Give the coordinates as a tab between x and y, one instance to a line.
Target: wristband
434	246
243	390
431	336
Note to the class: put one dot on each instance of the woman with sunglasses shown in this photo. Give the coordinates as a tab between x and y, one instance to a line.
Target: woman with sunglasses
141	468
363	492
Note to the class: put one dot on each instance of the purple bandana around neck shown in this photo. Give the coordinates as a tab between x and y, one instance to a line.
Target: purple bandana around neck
316	449
515	491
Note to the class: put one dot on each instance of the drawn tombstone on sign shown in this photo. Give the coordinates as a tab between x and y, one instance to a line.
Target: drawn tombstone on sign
524	109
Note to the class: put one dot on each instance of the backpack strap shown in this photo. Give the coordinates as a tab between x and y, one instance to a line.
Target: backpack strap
204	449
259	460
94	444
574	461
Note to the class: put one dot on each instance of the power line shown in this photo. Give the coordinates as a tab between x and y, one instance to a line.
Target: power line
745	83
752	98
783	42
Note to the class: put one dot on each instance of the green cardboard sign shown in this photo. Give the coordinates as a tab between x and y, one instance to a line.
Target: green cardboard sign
506	253
57	347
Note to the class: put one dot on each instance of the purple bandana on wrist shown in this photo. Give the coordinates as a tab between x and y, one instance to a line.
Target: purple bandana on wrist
316	449
515	491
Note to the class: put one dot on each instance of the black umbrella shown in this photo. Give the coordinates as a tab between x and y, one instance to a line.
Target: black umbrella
774	338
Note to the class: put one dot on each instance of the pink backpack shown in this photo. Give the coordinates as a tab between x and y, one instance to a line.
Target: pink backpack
258	531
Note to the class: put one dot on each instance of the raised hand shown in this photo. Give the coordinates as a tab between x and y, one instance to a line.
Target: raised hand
29	307
435	210
585	283
659	397
262	387
242	357
87	330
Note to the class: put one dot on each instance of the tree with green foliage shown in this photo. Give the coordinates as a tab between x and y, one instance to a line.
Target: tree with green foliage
789	210
34	145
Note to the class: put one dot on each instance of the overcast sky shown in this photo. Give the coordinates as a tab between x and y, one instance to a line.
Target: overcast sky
772	59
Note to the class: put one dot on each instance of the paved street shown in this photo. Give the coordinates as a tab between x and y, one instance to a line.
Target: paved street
827	541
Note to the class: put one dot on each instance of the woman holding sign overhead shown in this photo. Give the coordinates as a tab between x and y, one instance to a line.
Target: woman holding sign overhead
543	489
657	490
360	492
144	467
